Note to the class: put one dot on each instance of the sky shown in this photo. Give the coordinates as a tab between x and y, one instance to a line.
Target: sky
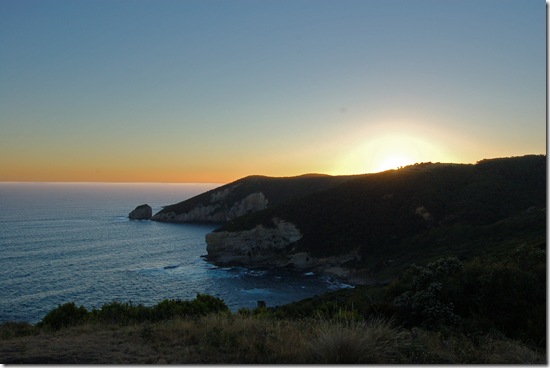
215	90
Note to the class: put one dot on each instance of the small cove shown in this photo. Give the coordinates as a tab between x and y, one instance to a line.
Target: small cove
73	242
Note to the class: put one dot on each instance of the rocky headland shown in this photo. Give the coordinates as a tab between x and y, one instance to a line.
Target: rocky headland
366	228
245	196
216	210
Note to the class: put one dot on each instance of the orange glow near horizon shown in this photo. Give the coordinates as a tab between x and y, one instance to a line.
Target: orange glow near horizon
371	156
368	149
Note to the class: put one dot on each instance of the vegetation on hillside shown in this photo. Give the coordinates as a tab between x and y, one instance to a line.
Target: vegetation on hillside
419	212
276	189
502	294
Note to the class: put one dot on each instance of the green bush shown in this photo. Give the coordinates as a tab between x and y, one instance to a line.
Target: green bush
506	295
205	304
125	313
202	305
424	303
64	315
121	313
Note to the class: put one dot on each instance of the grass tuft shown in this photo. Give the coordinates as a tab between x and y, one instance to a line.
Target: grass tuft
354	342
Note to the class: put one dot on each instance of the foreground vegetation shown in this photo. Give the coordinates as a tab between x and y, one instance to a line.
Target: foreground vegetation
234	338
489	310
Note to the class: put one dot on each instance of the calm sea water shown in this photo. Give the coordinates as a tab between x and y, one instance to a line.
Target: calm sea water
63	242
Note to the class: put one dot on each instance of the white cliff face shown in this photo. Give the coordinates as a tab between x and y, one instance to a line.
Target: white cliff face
216	211
201	213
251	203
259	246
221	194
272	247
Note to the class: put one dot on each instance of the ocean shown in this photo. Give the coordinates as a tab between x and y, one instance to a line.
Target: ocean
73	242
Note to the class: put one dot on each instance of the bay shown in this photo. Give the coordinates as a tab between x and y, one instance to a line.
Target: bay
73	242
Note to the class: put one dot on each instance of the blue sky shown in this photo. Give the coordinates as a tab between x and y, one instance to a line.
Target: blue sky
174	90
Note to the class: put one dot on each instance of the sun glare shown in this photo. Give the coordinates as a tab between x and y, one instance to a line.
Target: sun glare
388	152
393	162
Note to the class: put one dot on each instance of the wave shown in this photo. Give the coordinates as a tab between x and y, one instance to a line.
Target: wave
334	284
169	267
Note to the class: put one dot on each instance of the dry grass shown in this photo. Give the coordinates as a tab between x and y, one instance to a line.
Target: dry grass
232	339
433	347
357	342
211	339
229	339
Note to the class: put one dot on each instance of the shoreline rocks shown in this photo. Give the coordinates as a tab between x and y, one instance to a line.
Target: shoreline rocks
259	246
141	212
272	247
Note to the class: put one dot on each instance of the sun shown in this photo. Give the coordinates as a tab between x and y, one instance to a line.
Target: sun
394	161
392	151
386	152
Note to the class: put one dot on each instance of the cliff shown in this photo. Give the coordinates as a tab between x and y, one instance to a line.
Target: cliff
258	246
368	227
244	196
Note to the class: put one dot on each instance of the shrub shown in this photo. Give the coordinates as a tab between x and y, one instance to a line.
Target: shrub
423	302
121	313
505	294
64	315
209	304
202	305
128	312
9	329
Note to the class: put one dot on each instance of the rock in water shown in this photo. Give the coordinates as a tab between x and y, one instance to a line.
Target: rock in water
142	212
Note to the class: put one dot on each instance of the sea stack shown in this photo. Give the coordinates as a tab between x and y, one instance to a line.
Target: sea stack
141	212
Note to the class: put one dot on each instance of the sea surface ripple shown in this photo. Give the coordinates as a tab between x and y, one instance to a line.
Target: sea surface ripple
73	242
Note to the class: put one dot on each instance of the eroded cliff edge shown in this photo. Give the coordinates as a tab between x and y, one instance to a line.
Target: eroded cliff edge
260	246
274	246
372	227
217	209
269	244
368	228
245	196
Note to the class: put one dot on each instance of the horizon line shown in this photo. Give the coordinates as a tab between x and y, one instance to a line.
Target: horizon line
230	181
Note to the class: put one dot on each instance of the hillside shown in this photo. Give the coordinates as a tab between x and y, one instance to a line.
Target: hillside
244	196
378	224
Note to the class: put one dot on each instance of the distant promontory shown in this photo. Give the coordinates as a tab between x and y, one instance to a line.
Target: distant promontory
366	228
